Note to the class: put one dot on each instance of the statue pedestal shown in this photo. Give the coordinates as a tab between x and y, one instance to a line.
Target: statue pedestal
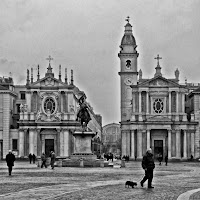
82	146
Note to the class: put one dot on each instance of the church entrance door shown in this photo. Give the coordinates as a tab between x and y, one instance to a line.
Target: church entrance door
158	148
49	146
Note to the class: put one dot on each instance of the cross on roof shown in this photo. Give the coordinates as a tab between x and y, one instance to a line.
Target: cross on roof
49	59
158	58
127	19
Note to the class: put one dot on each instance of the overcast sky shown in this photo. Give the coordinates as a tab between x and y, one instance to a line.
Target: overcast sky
84	35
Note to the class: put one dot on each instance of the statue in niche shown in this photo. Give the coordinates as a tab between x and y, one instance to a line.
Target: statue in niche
83	114
48	115
21	108
25	107
38	116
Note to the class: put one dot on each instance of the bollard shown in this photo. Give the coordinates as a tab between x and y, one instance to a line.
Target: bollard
123	162
39	162
101	162
81	162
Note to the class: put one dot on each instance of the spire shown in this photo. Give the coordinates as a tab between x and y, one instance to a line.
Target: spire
31	75
27	79
60	72
38	75
140	74
177	74
66	75
49	68
158	68
72	80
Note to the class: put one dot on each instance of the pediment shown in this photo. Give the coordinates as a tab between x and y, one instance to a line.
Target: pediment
159	82
158	118
48	81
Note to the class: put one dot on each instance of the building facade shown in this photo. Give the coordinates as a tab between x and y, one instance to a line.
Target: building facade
153	111
111	138
42	115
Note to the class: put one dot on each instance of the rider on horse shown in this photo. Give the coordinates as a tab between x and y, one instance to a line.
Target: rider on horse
83	113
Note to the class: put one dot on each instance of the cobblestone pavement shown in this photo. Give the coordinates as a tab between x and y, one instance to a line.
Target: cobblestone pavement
30	182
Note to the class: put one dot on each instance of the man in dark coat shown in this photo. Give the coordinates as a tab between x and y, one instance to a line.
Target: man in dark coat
53	159
148	165
44	159
30	157
10	158
34	157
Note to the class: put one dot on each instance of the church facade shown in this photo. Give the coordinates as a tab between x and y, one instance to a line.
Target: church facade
158	113
42	115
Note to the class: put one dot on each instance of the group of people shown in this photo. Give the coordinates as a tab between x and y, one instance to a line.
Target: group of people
44	159
10	159
31	157
160	158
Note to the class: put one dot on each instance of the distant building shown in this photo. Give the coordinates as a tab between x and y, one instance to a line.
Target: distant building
156	112
41	115
111	138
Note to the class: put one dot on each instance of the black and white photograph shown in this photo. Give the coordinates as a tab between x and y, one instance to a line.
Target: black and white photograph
99	99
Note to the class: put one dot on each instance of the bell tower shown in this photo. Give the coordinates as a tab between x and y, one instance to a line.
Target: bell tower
128	70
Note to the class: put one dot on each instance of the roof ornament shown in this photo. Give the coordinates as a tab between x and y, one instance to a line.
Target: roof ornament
49	69
127	19
158	58
49	59
38	75
158	68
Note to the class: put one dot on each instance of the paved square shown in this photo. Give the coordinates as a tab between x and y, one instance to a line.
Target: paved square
30	182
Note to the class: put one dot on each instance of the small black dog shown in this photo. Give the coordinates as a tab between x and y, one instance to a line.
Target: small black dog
130	183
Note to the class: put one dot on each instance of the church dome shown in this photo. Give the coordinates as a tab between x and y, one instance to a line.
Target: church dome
128	38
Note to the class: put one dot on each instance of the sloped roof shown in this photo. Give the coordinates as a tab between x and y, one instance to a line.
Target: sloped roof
3	88
159	81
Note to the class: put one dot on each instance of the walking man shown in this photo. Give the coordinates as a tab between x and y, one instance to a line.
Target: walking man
148	165
43	158
10	158
53	158
30	157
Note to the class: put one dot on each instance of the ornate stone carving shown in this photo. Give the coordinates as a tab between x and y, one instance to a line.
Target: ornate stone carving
158	82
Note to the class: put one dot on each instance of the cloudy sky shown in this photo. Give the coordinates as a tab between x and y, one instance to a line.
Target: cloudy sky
84	35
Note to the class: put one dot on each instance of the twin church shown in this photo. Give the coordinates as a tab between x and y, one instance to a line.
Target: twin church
41	115
158	113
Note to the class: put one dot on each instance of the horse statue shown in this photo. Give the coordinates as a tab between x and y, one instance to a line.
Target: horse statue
83	114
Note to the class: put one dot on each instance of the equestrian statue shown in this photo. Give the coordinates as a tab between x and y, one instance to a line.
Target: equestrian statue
83	114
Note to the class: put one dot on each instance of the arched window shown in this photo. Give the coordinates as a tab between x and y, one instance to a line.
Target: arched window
50	105
158	106
128	64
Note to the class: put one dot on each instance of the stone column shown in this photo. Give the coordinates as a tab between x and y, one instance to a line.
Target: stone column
169	143
62	142
28	101
185	144
140	102
66	142
58	141
39	143
178	141
139	144
148	138
31	141
132	144
147	104
123	143
183	103
177	102
21	142
170	102
192	143
128	143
